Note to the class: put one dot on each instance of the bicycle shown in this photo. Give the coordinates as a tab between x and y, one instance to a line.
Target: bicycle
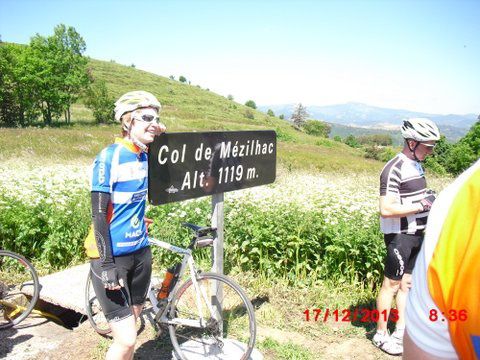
19	288
207	308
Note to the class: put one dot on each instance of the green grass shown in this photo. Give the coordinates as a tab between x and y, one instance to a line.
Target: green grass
80	142
287	351
184	108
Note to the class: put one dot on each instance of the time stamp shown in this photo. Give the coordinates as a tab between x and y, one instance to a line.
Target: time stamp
373	315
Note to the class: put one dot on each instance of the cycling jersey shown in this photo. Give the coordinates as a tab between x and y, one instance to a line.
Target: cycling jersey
443	311
121	170
403	178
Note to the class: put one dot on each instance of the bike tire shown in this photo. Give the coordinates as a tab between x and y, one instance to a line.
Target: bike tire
237	311
19	288
94	310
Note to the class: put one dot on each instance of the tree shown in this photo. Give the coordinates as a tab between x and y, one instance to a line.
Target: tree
17	104
99	100
281	117
230	97
171	77
459	158
317	128
57	71
351	141
472	138
375	139
251	103
182	79
270	112
299	115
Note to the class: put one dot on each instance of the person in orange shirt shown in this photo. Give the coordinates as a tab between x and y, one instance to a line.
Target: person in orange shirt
443	306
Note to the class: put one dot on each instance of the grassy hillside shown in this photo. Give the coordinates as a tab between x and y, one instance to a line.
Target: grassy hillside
185	108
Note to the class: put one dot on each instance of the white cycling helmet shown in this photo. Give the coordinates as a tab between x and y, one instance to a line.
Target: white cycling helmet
420	129
134	100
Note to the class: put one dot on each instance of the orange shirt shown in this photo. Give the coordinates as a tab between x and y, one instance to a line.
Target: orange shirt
443	306
454	272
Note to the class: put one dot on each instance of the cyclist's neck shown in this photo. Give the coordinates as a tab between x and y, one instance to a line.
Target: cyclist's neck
409	154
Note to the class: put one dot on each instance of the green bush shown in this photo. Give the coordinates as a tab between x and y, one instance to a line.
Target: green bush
251	104
351	141
317	128
381	153
329	240
249	114
45	231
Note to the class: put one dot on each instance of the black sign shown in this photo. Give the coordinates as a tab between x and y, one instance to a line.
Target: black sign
189	165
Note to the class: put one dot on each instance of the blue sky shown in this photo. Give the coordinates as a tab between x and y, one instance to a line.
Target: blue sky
415	55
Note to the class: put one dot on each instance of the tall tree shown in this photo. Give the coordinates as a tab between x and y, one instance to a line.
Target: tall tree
299	115
100	101
17	104
251	103
58	71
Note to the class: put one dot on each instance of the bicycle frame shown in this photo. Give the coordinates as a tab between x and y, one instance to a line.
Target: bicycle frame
187	260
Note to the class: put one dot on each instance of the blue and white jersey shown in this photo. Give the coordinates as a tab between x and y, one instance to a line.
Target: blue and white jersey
121	170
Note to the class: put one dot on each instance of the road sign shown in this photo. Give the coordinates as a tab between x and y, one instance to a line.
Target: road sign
189	165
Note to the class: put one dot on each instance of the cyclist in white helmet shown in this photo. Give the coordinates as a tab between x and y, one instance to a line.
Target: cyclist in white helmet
404	206
121	271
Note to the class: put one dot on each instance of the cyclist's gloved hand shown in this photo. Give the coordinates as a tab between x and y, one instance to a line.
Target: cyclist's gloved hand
428	200
110	278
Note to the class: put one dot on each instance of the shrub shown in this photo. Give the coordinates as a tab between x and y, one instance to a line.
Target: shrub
317	128
351	141
100	102
249	114
380	153
375	139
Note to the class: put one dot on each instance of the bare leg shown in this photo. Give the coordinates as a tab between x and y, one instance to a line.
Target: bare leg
384	301
401	299
124	334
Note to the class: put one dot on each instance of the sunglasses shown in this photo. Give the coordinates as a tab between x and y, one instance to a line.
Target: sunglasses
430	146
147	116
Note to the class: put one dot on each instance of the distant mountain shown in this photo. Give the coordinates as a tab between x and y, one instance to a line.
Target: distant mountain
361	115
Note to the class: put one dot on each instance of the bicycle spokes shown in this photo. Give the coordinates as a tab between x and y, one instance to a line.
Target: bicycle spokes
19	288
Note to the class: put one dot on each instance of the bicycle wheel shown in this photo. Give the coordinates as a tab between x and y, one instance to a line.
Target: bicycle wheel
94	310
228	332
19	288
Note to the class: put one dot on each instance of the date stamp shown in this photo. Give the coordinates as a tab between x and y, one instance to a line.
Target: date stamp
349	315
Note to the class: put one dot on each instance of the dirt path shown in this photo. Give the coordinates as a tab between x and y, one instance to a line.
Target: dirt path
37	338
34	335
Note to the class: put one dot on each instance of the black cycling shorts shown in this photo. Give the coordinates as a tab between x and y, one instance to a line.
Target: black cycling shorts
402	251
135	269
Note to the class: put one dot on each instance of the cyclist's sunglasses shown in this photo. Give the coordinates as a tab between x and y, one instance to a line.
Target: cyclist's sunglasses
146	115
430	146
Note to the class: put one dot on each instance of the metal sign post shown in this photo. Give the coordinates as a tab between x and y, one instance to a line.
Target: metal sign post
217	222
217	254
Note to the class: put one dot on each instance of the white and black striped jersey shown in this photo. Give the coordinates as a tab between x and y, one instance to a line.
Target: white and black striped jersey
405	179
